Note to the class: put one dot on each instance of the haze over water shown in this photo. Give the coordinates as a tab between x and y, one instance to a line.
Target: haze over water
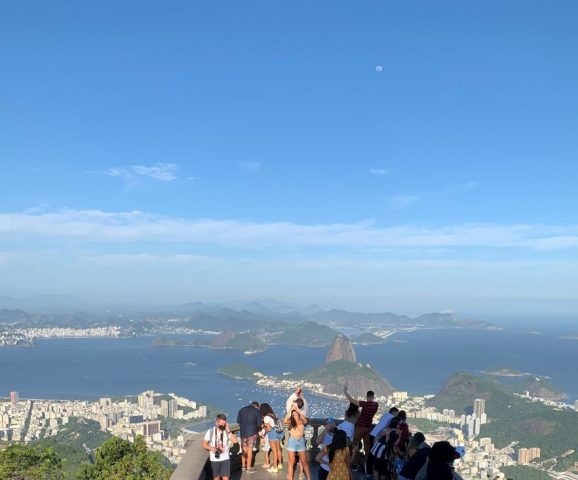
418	362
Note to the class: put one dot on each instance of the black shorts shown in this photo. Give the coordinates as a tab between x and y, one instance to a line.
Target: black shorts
381	465
221	468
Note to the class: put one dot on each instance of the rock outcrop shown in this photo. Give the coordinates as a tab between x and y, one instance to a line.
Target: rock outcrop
341	349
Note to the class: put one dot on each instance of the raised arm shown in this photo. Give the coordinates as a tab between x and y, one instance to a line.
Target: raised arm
303	417
349	397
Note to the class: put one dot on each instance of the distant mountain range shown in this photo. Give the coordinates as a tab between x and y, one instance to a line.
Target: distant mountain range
261	311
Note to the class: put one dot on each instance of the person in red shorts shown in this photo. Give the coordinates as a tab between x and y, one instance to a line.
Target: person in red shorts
364	423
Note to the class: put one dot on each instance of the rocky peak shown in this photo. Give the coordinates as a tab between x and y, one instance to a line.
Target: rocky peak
341	349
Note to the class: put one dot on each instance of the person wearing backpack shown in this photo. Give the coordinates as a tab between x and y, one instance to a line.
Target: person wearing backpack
216	441
274	429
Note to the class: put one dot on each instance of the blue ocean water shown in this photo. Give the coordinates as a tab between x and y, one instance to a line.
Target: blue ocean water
418	362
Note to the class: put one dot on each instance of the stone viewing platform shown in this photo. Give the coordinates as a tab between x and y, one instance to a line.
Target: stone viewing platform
195	463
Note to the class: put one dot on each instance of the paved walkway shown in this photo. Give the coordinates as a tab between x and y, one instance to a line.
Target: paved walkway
262	473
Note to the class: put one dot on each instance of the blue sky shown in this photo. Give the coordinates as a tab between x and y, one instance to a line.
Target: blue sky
376	155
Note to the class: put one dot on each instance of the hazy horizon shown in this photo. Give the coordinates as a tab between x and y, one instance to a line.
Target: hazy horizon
401	157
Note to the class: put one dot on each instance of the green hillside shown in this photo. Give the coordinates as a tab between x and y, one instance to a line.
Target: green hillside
334	375
246	341
308	333
368	338
520	472
68	443
533	424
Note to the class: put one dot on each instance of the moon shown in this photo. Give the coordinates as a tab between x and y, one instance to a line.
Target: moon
378	68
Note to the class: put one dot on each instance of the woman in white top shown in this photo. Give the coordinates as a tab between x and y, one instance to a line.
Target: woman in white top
270	422
351	417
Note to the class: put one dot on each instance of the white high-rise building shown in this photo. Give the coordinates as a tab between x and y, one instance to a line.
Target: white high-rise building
479	407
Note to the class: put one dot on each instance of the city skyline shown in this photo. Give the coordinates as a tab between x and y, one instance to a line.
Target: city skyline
404	157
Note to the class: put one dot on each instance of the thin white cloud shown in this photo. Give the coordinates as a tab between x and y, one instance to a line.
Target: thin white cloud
401	201
163	172
378	171
136	226
145	258
250	165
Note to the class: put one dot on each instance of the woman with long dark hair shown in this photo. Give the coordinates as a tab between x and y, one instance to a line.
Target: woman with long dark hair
270	423
338	457
348	424
296	420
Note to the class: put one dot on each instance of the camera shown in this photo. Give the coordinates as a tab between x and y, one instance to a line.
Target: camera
217	452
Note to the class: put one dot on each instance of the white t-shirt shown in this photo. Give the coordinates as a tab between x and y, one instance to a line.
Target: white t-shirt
219	439
327	439
383	422
293	398
269	421
348	428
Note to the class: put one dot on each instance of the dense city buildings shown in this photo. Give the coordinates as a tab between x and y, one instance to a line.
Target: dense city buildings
29	420
526	455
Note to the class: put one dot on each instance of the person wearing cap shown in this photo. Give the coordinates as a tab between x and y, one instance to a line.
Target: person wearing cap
439	465
323	442
327	436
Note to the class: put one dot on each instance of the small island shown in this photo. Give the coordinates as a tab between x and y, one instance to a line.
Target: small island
240	371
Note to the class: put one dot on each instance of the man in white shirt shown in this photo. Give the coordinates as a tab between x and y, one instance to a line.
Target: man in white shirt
384	422
217	441
380	427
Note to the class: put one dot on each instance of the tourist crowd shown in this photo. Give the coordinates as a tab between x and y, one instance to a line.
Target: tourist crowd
387	450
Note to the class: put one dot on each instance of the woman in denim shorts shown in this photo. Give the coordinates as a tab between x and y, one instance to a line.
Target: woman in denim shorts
297	420
274	437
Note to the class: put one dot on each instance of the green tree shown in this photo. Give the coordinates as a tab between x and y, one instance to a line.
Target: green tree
23	462
118	459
